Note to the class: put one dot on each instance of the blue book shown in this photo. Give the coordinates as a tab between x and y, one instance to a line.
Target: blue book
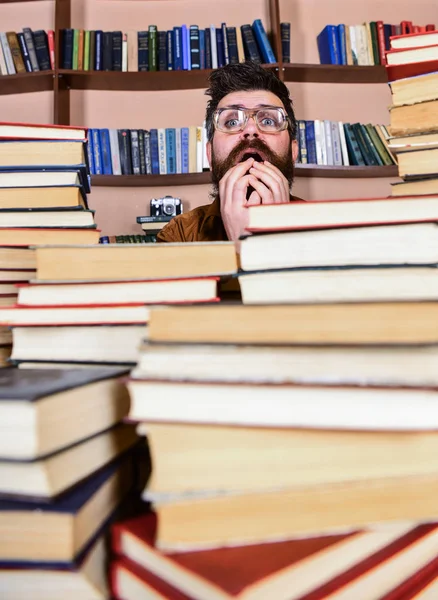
184	149
185	42
155	160
342	44
328	46
169	44
177	49
220	47
202	48
265	47
310	143
106	151
24	52
97	152
98	60
143	50
170	150
207	37
90	152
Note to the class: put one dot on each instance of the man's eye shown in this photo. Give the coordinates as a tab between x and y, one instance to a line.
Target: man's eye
268	122
232	123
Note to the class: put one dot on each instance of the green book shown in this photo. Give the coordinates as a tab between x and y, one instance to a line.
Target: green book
153	34
378	144
75	49
86	62
375	42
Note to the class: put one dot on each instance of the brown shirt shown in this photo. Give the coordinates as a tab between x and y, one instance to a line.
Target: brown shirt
202	224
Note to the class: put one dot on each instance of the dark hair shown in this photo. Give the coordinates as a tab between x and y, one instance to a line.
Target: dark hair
247	76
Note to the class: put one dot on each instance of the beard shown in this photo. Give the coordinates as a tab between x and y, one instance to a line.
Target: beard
283	162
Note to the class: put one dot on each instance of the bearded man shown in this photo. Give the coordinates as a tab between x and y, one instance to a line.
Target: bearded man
251	148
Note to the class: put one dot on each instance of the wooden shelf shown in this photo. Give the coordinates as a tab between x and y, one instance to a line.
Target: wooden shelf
23	83
205	178
334	73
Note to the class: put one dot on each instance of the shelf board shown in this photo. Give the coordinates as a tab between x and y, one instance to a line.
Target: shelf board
205	177
23	83
138	80
334	73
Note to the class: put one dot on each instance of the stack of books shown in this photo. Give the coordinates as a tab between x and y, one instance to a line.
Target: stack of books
44	181
412	72
90	304
67	466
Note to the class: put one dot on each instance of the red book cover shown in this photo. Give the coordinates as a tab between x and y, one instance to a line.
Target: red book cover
430	27
406	27
51	42
412	35
381	41
395	72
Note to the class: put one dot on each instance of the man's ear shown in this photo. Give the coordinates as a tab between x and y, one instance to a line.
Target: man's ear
295	150
208	150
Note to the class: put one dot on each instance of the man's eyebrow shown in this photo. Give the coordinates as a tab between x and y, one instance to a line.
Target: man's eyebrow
237	106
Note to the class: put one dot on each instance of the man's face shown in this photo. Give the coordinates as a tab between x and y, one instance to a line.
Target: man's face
227	150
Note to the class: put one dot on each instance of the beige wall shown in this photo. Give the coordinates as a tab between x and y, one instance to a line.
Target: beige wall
116	208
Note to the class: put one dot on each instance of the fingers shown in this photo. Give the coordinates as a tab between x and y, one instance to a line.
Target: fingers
274	180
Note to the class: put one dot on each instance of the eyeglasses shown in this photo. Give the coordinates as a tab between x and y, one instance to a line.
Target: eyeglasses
269	119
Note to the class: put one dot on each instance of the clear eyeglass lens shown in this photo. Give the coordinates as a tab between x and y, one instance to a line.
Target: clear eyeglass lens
268	119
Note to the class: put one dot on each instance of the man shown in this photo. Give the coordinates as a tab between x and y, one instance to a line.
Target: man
251	148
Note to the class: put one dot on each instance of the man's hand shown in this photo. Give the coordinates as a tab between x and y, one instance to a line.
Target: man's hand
270	183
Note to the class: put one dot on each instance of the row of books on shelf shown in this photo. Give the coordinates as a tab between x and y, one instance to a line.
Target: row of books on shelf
365	44
323	142
27	51
163	151
181	48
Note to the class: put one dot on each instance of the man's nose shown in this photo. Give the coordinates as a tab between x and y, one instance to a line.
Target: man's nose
250	129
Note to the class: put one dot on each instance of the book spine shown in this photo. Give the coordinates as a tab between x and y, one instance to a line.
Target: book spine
153	32
97	150
342	44
124	52
184	49
75	49
364	146
319	142
213	47
162	151
135	152
155	156
24	52
177	54
80	50
116	50
336	143
115	152
92	50
354	152
344	149
133	42
184	149
178	167
199	150
371	145
99	50
233	54
125	151
194	47
51	44
302	142
207	36
375	43
86	65
225	43
263	42
143	51
328	142
15	51
202	48
141	152
162	50
31	48
310	143
107	57
3	67
90	150
147	152
249	44
170	151
220	48
106	151
7	53
285	41
380	29
169	52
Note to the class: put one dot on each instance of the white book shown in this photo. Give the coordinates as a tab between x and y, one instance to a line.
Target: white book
199	150
352	30
205	163
125	52
3	67
318	143
213	47
328	142
115	152
336	144
162	151
178	149
362	45
132	50
8	54
344	148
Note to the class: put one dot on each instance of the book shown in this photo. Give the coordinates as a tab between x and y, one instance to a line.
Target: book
41	235
182	453
285	42
421	141
249	44
54	474
347	324
17	57
108	344
203	289
48	395
412	90
74	518
329	46
7	54
341	213
414	118
24	52
414	40
62	196
36	217
263	42
42	49
417	187
163	261
418	163
412	244
42	153
109	314
292	569
85	577
402	71
28	37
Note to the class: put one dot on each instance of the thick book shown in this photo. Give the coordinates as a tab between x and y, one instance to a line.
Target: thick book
415	118
414	40
411	90
26	131
109	314
17	57
35	217
160	261
44	235
55	196
75	517
42	153
47	395
307	568
28	37
263	42
329	46
249	44
411	69
42	49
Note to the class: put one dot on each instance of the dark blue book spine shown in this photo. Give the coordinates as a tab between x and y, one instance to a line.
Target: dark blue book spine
220	48
125	151
24	52
233	55
202	48
97	152
162	50
154	152
185	48
42	49
387	31
99	51
207	36
178	49
107	44
90	150
184	149
263	42
285	41
249	44
194	47
169	42
116	49
105	151
342	44
328	46
170	150
310	143
143	50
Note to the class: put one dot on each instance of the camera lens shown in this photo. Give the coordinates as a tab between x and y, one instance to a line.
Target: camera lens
168	209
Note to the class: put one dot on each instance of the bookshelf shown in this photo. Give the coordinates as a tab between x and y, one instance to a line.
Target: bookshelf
94	99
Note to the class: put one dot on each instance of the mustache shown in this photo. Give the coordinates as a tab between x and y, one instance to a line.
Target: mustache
255	144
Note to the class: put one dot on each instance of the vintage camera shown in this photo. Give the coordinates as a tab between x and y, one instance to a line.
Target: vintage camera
168	206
